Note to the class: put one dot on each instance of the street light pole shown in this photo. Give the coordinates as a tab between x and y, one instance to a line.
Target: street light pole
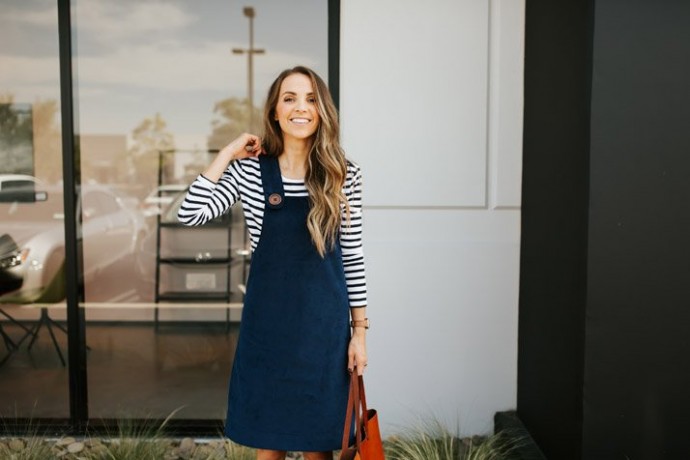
251	51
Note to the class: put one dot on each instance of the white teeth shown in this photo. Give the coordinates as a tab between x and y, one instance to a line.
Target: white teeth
300	120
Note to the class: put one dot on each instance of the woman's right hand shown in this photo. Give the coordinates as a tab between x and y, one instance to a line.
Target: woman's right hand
246	145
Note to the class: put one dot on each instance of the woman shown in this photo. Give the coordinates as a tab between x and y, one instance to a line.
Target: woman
302	204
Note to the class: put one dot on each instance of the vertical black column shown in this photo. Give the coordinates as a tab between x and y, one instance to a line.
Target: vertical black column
554	224
334	50
637	371
605	281
73	242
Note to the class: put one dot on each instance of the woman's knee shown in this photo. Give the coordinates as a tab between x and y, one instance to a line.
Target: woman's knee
265	454
318	455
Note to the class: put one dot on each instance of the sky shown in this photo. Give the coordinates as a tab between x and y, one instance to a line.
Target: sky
135	58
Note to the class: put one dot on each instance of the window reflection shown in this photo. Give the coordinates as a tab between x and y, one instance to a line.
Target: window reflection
31	216
158	90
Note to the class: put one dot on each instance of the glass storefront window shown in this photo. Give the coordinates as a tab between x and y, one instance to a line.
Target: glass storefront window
159	87
31	231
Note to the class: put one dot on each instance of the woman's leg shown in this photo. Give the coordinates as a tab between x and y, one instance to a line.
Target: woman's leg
318	455
265	454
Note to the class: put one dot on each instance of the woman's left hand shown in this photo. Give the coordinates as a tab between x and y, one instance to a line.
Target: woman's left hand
357	351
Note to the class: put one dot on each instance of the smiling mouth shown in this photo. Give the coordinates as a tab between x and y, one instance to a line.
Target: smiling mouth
300	121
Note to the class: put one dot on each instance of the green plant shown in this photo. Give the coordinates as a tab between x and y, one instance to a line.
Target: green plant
428	440
500	446
131	440
29	446
149	441
431	440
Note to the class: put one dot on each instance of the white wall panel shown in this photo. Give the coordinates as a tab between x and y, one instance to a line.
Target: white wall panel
414	89
444	315
507	49
431	106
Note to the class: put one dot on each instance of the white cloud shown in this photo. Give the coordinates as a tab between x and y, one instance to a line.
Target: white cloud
142	46
33	69
106	21
113	22
176	66
163	65
46	17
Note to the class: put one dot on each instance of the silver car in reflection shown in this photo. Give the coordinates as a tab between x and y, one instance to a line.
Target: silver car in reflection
160	198
18	181
112	231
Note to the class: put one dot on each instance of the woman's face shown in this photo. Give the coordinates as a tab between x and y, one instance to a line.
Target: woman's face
296	110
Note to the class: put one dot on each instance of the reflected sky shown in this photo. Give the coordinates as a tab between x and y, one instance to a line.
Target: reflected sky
136	58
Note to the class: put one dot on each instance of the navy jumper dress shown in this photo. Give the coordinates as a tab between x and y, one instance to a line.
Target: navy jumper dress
289	382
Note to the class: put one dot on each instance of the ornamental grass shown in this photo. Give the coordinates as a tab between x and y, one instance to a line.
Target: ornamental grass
428	440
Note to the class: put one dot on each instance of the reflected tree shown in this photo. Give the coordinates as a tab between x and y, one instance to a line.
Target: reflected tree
149	137
198	163
42	128
231	118
16	137
47	140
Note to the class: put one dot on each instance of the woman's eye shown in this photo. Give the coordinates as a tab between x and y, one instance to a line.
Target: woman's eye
311	100
289	99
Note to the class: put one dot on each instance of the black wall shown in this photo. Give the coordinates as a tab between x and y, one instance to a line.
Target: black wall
604	370
637	368
553	268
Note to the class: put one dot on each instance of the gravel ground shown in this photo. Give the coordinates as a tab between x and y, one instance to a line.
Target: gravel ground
70	448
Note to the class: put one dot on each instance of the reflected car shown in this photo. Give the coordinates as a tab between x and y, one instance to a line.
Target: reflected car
9	257
160	198
20	187
112	230
18	182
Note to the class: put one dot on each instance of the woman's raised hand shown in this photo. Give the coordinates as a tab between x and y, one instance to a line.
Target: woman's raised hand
246	145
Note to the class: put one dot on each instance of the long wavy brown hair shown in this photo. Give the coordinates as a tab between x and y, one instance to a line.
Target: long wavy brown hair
326	164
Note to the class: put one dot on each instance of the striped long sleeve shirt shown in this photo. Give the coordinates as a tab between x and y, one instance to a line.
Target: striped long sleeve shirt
207	200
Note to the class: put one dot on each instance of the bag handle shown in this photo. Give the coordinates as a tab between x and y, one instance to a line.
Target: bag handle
363	398
357	403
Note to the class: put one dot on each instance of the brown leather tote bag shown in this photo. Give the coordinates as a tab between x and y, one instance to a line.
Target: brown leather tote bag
367	445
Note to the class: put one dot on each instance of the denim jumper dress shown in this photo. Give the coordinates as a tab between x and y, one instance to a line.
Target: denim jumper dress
289	383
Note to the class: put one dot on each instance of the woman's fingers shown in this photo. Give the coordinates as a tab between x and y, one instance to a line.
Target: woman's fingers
247	145
357	361
254	145
350	362
357	354
361	363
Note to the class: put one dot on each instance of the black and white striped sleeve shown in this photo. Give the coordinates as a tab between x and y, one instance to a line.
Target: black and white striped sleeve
351	239
207	200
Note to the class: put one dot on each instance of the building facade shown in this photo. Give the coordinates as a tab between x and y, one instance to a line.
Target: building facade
431	101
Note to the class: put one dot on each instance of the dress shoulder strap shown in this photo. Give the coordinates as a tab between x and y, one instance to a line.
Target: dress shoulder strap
271	181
